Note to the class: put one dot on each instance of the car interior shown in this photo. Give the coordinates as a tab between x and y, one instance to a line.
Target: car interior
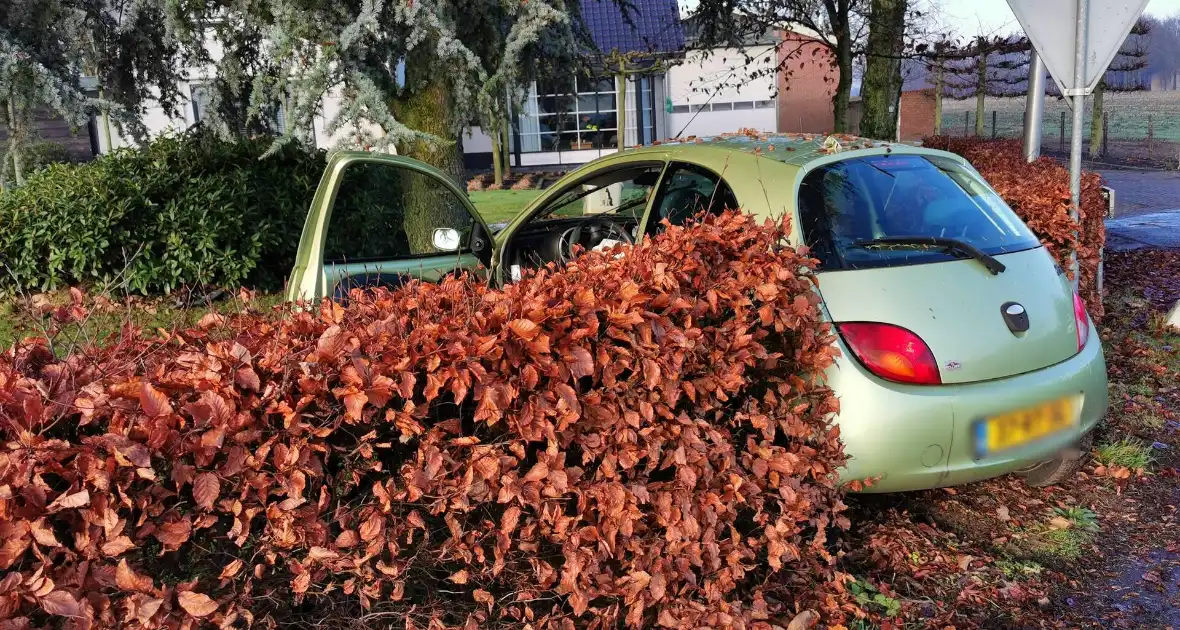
607	209
384	217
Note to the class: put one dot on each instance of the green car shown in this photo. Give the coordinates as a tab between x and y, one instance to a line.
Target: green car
966	354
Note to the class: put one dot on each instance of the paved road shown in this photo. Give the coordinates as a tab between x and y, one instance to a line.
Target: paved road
1147	207
1140	192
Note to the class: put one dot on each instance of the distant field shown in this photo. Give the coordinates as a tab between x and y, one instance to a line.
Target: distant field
1128	114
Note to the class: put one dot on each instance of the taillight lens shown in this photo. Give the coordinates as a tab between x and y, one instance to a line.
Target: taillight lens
1081	320
891	352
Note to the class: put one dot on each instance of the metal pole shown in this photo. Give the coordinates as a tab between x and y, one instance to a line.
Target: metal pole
1034	108
1075	145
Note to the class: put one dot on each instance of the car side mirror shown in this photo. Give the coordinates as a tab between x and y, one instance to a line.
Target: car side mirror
446	239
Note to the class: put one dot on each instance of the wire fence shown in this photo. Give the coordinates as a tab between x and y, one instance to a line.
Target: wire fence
1140	129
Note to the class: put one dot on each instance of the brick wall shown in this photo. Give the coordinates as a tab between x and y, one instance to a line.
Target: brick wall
917	114
806	85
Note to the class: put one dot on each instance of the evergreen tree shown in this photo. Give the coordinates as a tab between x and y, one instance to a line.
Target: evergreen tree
46	46
409	74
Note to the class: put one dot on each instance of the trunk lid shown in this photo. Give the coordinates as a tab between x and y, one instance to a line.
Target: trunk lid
956	308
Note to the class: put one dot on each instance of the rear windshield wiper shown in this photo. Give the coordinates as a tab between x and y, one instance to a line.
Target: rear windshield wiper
951	245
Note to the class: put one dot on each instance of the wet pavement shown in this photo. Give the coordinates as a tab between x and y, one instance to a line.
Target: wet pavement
1143	192
1147	209
1155	229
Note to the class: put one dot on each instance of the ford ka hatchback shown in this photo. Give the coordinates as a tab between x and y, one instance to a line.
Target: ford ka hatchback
966	354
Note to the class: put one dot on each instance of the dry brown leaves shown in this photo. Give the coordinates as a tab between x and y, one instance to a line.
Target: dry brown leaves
638	440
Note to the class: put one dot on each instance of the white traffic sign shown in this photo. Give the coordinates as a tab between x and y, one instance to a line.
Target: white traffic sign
1052	26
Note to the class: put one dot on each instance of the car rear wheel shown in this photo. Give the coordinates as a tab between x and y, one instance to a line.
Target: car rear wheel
1060	468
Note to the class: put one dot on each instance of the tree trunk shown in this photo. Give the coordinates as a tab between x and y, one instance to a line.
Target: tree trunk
105	121
498	157
506	145
429	109
882	80
1096	121
15	144
938	88
838	17
980	91
843	96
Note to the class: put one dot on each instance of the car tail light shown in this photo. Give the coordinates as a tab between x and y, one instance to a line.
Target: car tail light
1081	320
892	352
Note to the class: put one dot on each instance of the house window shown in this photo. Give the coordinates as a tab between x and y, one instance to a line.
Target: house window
680	109
640	111
201	97
570	114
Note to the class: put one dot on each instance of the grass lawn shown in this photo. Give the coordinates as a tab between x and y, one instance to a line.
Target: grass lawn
105	316
501	205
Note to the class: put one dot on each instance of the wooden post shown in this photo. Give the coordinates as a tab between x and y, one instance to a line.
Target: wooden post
994	112
966	124
1150	136
1105	133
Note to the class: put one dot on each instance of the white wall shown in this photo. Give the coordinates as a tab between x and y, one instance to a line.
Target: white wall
717	81
476	141
159	122
713	123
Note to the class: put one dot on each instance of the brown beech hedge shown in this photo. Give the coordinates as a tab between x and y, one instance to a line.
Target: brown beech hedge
635	440
1039	193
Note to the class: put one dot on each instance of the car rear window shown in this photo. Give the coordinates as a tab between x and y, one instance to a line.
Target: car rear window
862	199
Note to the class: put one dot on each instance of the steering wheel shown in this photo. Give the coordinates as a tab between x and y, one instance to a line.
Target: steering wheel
589	234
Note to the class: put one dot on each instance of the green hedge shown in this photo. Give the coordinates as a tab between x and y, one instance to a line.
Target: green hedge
184	210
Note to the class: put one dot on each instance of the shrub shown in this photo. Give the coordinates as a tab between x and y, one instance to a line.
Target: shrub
38	156
184	210
1039	193
528	182
637	440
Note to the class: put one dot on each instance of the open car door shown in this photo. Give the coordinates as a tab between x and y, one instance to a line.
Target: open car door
379	220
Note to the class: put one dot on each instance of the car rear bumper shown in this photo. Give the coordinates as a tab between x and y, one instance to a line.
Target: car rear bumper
915	437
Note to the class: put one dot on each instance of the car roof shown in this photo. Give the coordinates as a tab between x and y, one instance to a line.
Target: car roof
795	149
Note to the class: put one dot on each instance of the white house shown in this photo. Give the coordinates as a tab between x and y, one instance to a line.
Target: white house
717	91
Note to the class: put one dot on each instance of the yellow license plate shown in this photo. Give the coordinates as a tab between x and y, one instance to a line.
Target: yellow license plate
1010	430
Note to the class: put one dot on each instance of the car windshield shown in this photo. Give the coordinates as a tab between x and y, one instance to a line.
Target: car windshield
894	210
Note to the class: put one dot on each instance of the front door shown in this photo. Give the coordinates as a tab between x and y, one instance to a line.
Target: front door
379	220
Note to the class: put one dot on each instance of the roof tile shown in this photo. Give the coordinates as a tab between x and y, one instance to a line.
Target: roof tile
654	26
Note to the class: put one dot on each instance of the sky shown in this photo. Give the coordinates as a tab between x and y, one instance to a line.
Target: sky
975	17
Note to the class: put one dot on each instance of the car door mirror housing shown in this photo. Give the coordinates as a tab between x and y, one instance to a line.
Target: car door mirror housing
446	239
